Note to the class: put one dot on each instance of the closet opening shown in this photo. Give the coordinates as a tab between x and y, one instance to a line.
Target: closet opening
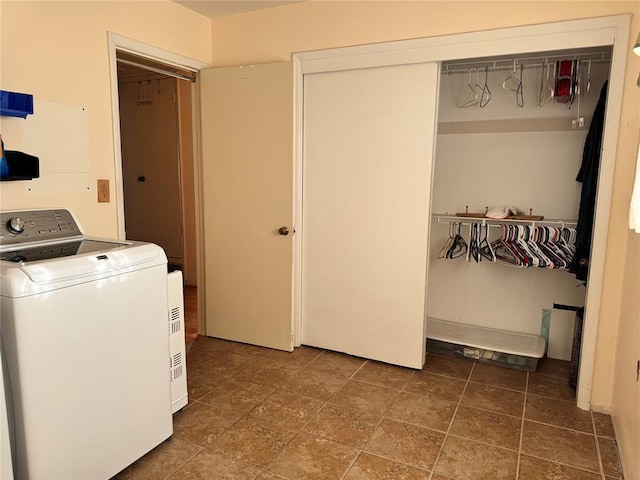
457	295
507	211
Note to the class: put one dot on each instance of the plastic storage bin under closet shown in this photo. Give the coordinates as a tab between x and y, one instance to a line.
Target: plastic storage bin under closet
486	345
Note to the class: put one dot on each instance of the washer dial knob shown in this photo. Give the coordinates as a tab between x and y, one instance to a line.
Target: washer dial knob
15	225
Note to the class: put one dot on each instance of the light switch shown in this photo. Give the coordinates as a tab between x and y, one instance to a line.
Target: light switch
103	190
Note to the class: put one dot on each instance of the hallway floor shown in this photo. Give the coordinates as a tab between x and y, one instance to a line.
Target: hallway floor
190	296
262	414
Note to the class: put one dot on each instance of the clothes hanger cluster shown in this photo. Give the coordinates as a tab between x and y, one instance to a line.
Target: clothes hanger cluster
455	246
480	94
520	245
479	246
146	90
475	94
514	83
567	81
561	81
544	247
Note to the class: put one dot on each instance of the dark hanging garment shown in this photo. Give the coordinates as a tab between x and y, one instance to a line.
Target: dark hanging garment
588	175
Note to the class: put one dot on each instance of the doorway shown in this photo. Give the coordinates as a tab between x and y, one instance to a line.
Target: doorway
157	158
145	60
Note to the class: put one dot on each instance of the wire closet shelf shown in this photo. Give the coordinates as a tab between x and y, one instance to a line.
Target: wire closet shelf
513	63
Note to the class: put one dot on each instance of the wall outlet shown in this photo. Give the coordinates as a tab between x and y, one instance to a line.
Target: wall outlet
103	191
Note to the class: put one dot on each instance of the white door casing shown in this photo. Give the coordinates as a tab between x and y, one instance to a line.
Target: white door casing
368	157
120	43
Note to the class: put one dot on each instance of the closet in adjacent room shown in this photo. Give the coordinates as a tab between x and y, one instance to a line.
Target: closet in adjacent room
511	133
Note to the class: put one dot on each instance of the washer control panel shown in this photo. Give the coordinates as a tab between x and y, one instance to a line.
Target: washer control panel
36	226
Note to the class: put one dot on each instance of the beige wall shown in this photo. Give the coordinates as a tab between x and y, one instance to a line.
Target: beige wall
58	52
274	34
625	407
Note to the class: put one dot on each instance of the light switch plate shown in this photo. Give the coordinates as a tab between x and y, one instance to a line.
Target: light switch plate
103	191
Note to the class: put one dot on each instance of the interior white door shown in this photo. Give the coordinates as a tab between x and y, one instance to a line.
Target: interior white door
151	163
367	168
247	179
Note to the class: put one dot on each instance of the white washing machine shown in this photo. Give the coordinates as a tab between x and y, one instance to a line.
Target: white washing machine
85	341
6	458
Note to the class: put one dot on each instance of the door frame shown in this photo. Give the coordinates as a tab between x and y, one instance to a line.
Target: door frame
602	31
117	43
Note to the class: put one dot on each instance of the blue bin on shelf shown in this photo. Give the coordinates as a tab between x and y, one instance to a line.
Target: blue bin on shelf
14	104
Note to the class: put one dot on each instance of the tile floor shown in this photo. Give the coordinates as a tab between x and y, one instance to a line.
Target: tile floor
262	414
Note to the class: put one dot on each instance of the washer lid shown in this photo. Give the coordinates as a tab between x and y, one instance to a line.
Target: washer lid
58	250
21	278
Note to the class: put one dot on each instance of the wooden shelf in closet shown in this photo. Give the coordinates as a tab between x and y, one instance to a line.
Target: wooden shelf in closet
530	218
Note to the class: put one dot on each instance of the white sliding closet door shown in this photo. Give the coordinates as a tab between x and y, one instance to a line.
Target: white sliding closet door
367	167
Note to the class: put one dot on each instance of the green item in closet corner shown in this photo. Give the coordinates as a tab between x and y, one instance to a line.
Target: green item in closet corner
545	327
516	360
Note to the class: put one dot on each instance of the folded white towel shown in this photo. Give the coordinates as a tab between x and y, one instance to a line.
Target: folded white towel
502	211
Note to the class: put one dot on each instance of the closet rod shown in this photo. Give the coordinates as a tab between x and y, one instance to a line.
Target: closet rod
191	78
497	222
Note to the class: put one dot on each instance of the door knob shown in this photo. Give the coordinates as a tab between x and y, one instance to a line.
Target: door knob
283	231
141	178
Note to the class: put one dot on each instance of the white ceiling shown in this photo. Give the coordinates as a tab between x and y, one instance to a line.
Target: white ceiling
221	8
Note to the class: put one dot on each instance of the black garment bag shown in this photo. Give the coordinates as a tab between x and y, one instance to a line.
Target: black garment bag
588	175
